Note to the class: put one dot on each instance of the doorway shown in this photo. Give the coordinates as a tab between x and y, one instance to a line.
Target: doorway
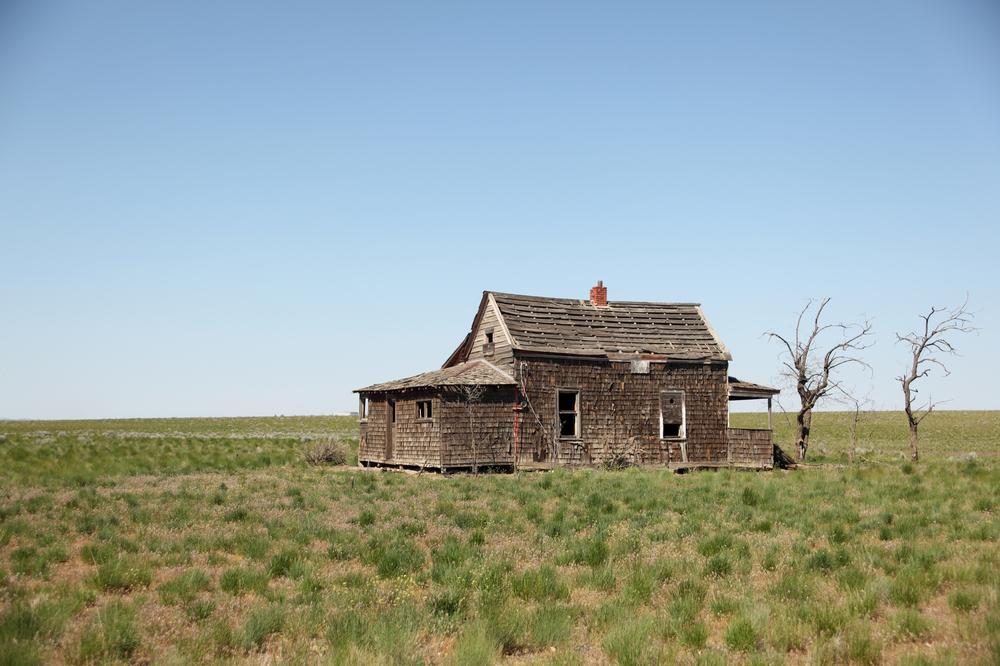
390	429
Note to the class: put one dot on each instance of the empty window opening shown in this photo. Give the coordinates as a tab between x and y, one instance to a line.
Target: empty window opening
569	414
488	344
424	409
362	408
392	411
672	414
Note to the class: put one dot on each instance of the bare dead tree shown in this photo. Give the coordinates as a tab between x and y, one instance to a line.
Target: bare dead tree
813	370
472	396
926	345
858	414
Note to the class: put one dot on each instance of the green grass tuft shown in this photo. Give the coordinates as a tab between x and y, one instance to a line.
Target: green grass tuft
113	635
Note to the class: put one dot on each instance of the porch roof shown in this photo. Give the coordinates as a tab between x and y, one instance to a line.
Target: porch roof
741	390
470	373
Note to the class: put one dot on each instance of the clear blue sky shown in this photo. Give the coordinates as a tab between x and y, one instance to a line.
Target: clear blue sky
224	208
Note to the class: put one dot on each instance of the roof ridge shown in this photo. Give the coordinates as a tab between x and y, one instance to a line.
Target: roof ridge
585	301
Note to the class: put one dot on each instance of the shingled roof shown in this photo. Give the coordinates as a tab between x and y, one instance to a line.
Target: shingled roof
620	329
471	373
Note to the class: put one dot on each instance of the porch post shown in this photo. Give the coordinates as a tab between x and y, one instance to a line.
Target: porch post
769	426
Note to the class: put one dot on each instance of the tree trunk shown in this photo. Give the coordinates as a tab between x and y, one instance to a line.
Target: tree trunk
912	421
803	420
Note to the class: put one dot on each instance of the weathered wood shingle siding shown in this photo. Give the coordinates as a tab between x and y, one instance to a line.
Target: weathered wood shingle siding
489	422
415	442
620	410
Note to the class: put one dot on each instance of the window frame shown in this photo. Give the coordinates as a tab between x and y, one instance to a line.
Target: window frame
682	430
428	413
577	413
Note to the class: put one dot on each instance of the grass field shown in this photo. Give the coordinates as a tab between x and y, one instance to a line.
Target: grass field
199	540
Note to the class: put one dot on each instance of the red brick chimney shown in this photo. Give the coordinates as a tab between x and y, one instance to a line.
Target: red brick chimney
599	294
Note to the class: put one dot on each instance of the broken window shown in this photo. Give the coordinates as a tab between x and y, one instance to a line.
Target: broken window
672	414
362	408
569	414
424	409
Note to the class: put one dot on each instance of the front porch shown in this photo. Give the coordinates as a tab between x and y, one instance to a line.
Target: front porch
751	447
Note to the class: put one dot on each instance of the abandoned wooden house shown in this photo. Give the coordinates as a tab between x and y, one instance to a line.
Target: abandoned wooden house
541	382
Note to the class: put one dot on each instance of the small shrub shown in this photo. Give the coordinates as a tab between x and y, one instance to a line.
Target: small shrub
366	518
328	452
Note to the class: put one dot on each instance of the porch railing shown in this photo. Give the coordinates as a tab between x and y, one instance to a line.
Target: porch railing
750	446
